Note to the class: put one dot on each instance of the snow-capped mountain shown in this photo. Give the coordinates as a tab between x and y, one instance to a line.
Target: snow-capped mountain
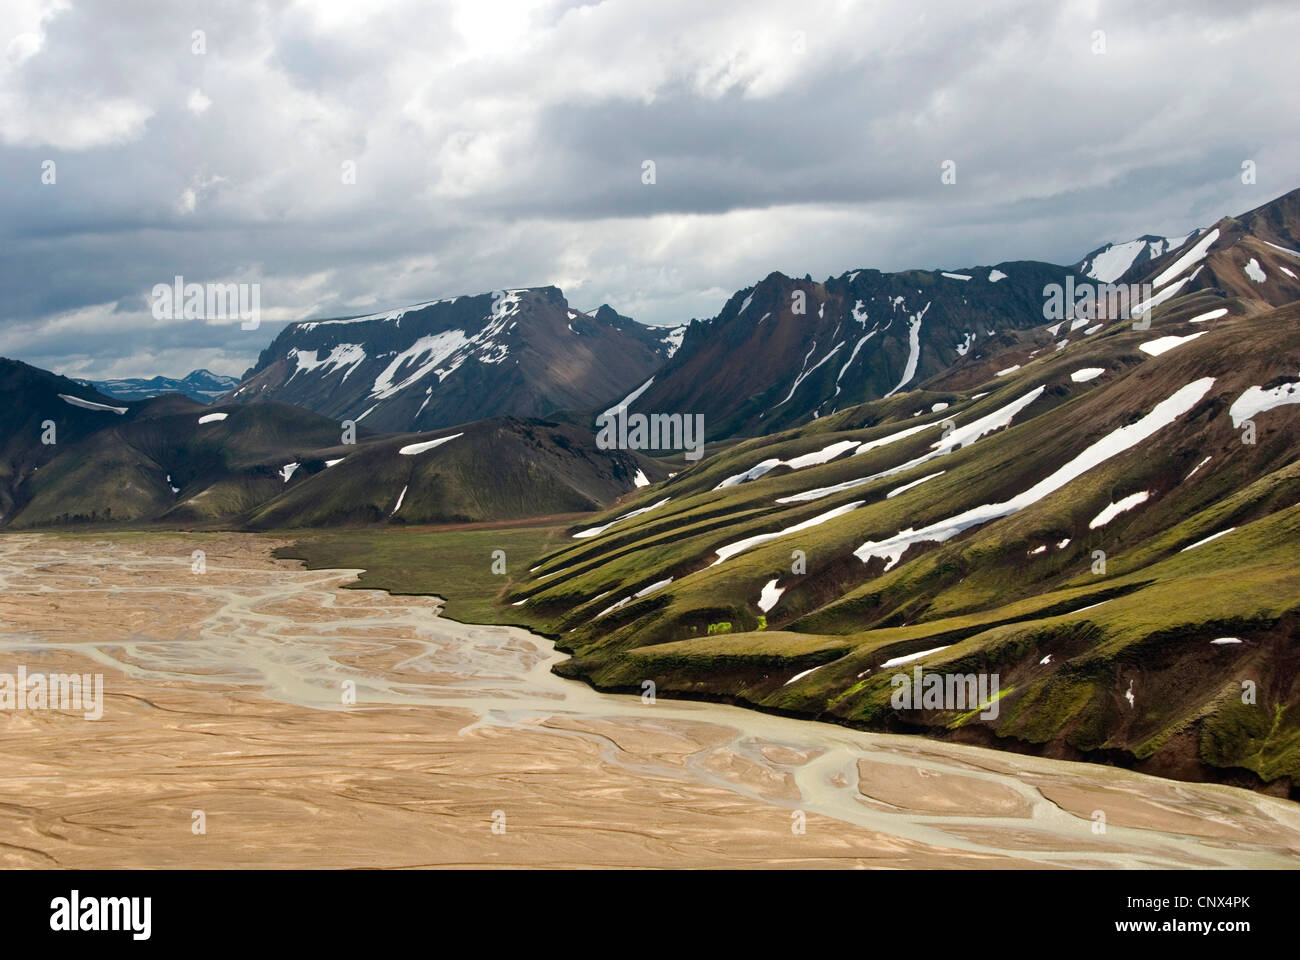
666	340
202	385
1108	527
1111	261
1254	256
789	350
522	352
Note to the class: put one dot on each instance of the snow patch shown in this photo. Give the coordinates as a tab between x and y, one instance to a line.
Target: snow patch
400	497
1118	507
411	449
623	404
913	351
1164	344
1110	264
815	458
673	341
1213	536
1192	256
1257	400
643	592
91	405
909	657
1284	249
915	483
1155	301
597	531
428	352
770	595
391	315
731	549
856	347
804	374
343	355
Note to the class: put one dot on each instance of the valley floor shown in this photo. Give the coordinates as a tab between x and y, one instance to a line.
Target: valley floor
226	705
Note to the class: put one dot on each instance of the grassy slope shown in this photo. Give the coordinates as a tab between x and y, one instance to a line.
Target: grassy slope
1000	606
455	564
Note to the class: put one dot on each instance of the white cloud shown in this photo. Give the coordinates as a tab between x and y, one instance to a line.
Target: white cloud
197	102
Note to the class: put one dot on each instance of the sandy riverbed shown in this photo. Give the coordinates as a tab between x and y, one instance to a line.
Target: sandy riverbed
225	693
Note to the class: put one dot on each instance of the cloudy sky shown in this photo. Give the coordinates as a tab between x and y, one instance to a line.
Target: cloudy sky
502	144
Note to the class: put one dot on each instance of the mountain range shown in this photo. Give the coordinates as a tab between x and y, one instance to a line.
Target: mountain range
201	385
73	456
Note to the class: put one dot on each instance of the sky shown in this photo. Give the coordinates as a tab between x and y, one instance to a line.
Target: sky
351	157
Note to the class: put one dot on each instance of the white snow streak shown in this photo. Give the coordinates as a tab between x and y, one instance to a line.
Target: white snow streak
1116	442
411	449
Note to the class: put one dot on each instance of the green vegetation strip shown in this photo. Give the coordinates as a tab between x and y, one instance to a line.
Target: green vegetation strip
455	564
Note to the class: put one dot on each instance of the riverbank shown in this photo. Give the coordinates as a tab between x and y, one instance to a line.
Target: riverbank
227	695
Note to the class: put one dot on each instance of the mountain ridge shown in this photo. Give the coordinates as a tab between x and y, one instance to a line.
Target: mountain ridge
521	352
202	385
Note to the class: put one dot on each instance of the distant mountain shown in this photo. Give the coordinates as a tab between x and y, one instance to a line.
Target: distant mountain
502	468
665	340
521	353
201	385
173	460
786	350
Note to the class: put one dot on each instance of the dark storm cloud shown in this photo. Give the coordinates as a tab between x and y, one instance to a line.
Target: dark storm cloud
502	145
